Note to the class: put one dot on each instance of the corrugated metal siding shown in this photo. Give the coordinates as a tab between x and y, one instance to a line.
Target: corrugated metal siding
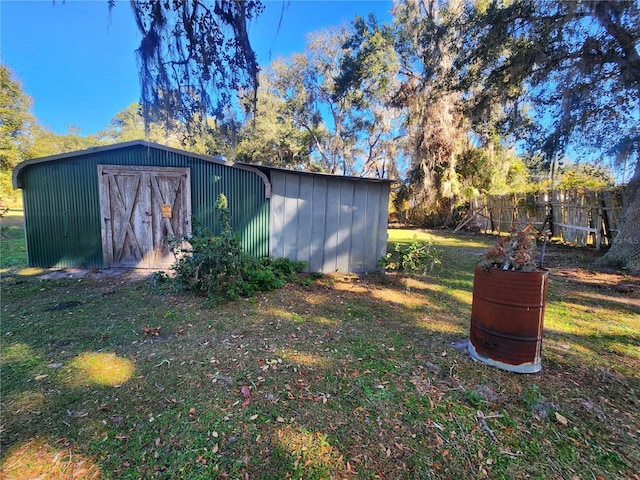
333	224
62	211
62	216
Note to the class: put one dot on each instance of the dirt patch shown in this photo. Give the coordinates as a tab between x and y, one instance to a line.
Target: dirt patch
124	273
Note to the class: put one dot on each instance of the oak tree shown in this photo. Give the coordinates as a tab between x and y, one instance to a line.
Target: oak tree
564	75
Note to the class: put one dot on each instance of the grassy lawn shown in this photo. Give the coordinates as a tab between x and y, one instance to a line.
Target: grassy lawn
109	376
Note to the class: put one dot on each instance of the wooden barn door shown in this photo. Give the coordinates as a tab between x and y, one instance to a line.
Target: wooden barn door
141	207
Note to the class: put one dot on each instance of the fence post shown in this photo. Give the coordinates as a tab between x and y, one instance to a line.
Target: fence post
598	221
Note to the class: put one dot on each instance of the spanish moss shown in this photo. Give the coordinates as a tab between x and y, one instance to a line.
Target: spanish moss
193	58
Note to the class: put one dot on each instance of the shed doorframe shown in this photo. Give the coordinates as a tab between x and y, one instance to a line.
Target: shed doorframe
140	208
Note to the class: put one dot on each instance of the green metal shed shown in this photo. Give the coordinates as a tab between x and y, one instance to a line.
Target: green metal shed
115	205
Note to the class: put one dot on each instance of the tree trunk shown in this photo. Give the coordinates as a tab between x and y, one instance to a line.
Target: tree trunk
625	250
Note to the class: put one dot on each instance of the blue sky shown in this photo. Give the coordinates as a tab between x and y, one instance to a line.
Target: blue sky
78	63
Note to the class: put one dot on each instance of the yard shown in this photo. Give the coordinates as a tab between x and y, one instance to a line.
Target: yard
111	375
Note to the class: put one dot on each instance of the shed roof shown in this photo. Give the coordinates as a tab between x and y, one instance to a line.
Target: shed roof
17	179
269	169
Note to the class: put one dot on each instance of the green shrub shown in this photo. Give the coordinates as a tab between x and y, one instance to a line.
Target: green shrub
217	266
285	269
419	257
264	279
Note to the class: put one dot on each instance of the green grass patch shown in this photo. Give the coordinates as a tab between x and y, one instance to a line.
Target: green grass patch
13	249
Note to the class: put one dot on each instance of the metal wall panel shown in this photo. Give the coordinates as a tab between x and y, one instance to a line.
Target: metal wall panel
305	216
332	223
358	250
318	224
380	227
62	216
276	242
62	211
345	228
290	219
332	217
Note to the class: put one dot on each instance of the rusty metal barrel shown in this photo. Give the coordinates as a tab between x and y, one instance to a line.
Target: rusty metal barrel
507	318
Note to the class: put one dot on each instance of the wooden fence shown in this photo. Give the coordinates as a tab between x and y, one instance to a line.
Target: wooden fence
582	218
